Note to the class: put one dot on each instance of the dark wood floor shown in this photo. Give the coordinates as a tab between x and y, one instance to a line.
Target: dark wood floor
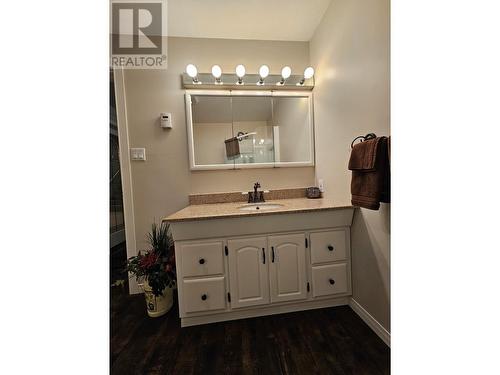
325	341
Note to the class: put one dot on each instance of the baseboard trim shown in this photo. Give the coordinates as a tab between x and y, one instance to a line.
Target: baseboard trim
376	327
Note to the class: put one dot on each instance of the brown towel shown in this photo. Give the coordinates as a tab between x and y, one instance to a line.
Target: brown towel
370	182
232	147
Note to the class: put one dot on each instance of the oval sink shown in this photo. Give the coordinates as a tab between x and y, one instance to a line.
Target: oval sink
260	206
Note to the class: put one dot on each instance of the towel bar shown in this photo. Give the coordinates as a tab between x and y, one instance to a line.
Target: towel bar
363	138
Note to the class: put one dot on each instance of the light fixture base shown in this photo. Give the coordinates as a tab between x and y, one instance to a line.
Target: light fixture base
249	82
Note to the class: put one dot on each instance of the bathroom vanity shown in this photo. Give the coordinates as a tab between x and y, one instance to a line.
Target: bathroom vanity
237	260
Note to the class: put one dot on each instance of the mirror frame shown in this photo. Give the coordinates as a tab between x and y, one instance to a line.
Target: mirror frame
270	93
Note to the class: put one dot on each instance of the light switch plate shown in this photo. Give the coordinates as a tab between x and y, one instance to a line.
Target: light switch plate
138	153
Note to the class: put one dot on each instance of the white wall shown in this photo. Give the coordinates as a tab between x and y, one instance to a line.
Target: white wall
209	146
350	52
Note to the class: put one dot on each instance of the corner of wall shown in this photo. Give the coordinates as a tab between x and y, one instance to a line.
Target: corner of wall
350	52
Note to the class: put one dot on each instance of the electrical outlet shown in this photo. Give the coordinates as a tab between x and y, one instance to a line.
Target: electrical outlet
138	153
321	185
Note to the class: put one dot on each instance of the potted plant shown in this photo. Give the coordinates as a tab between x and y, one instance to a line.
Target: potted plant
154	270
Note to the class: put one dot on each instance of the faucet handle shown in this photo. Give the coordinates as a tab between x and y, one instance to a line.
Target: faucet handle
261	196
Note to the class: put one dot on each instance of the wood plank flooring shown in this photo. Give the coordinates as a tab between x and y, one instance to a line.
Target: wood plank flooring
324	341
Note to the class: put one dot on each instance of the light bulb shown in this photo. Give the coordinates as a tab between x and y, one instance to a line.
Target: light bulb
191	70
263	71
286	72
240	71
308	73
216	71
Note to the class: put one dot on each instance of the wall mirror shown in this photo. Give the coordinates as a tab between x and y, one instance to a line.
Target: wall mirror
249	129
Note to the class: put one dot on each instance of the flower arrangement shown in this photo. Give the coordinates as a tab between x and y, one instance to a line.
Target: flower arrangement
156	265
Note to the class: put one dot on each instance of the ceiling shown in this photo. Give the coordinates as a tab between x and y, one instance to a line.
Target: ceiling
293	20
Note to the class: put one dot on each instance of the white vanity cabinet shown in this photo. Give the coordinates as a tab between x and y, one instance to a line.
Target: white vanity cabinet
236	268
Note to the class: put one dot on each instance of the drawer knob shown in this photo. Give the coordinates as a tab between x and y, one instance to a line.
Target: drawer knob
330	247
202	261
204	297
332	281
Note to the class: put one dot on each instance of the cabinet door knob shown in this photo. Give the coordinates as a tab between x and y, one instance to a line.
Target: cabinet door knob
202	261
204	297
332	281
330	247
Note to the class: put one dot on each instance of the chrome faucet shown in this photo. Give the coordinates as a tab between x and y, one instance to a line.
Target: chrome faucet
256	196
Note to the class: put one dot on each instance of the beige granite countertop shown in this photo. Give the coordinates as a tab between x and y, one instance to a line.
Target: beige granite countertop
224	210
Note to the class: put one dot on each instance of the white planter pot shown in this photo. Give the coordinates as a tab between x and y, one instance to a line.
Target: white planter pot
157	305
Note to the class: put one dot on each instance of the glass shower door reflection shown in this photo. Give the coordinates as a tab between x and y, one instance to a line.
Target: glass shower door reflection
253	126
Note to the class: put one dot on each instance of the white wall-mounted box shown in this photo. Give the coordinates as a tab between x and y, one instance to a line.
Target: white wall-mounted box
166	120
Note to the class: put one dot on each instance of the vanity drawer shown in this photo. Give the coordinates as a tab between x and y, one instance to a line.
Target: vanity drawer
204	294
329	279
328	246
202	259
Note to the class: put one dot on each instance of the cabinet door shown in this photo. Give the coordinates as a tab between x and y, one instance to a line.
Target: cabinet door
248	278
288	267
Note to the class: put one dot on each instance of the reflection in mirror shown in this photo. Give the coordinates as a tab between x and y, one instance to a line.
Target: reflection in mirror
252	125
249	129
212	125
292	130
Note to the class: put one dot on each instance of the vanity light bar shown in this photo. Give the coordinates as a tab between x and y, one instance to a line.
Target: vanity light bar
240	78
